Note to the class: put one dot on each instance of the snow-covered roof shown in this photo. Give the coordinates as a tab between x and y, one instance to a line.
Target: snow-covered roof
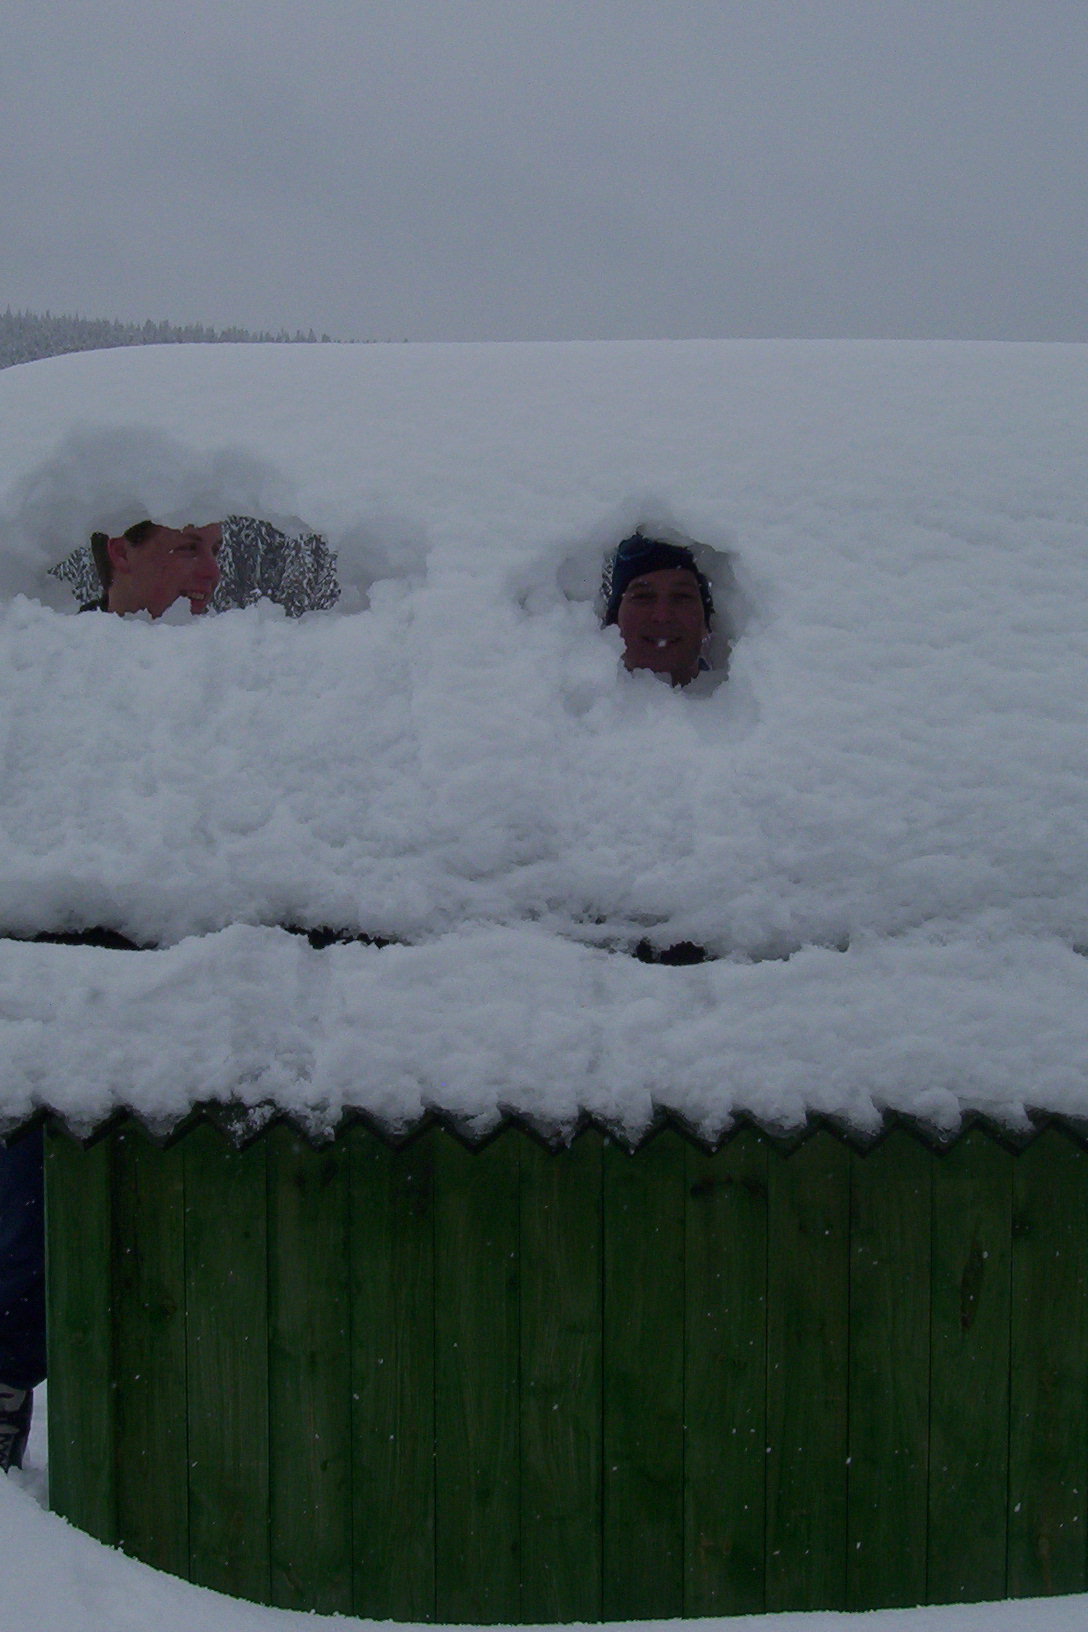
877	827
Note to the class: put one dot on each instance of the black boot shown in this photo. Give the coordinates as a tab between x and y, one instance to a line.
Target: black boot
16	1405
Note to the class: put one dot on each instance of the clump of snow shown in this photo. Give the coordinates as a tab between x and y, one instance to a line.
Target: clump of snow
877	826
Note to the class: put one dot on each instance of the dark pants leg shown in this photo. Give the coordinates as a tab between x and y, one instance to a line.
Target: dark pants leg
22	1262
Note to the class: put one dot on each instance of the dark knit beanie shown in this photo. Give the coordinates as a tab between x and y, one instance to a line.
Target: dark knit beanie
637	556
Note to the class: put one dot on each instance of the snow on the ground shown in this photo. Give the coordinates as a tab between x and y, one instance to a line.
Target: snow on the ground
878	825
56	1579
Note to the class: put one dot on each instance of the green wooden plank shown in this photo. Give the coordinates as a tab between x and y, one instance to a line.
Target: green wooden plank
1048	1420
644	1380
969	1426
226	1251
392	1376
82	1468
309	1385
725	1384
149	1322
477	1455
807	1366
889	1374
561	1314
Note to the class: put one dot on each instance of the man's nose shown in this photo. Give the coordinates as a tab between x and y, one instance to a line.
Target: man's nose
207	567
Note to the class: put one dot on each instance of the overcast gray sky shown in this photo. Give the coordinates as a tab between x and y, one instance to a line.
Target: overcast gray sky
551	169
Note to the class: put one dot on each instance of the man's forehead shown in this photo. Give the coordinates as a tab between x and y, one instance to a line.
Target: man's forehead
160	532
210	530
665	578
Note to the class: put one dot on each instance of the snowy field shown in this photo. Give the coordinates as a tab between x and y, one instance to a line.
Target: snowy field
878	825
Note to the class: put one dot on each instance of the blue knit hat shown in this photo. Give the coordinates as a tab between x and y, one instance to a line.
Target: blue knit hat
637	556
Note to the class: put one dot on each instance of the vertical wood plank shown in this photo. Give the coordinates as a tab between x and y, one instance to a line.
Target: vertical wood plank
644	1380
726	1378
226	1250
392	1376
889	1373
1048	1419
309	1387
561	1316
972	1221
149	1321
477	1384
807	1365
78	1227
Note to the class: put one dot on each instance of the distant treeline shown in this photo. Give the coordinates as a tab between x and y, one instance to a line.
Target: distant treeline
26	336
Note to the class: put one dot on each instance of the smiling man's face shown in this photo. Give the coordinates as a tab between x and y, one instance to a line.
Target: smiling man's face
170	564
663	625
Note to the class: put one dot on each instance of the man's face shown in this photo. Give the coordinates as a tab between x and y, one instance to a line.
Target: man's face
171	564
661	620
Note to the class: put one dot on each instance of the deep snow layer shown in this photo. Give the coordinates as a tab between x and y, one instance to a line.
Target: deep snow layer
524	1020
878	825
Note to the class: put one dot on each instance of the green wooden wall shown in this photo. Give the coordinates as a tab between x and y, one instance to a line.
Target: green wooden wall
506	1384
